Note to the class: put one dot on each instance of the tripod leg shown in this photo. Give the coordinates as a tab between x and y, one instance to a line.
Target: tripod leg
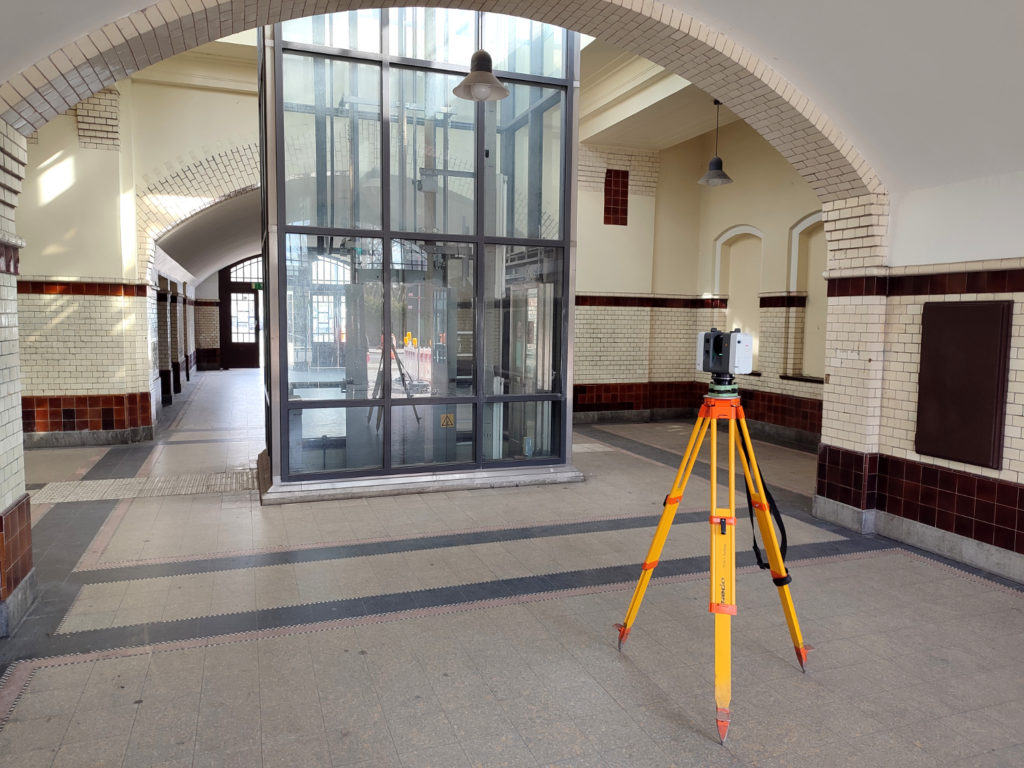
771	545
664	524
723	580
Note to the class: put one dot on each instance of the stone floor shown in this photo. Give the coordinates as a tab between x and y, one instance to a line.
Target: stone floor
182	624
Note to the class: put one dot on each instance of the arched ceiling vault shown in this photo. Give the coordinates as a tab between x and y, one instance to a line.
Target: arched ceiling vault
716	64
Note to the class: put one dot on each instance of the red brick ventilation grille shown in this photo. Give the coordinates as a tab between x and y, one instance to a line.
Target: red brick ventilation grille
616	197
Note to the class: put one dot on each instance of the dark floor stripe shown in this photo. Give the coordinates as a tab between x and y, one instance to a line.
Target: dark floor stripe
415	544
274	618
120	461
59	540
789	501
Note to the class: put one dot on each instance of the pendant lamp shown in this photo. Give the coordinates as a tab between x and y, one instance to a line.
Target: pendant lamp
715	177
481	84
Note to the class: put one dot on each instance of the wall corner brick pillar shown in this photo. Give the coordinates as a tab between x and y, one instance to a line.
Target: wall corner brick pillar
17	579
176	333
856	235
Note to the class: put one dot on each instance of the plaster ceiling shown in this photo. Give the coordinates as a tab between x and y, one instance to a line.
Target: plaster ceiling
676	112
216	236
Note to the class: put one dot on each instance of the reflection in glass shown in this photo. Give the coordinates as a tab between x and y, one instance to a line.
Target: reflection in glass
332	158
432	317
431	434
355	30
522	430
334	316
434	34
432	154
523	180
332	439
522	319
522	45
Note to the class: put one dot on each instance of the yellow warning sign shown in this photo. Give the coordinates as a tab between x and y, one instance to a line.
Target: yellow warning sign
447	419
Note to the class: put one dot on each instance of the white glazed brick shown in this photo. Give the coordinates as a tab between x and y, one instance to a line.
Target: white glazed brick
605	352
98	119
177	350
207	327
164	334
95	350
13	157
854	350
12	462
164	203
190	328
643	168
611	345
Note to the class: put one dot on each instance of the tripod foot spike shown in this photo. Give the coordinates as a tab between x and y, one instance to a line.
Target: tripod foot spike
722	720
801	655
623	634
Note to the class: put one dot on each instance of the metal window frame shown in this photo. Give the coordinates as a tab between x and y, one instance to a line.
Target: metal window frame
480	399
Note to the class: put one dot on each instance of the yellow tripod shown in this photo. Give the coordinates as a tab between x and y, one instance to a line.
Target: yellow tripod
722	402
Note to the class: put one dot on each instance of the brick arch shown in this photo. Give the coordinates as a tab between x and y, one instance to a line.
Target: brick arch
192	188
707	58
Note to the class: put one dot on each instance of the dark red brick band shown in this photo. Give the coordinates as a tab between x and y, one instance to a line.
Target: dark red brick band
73	413
938	284
980	508
15	545
9	259
802	413
649	301
205	303
76	288
783	301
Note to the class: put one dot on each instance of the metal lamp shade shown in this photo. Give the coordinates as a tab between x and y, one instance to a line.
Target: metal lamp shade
481	84
715	177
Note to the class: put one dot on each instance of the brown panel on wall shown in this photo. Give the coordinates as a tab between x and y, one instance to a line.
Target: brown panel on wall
961	401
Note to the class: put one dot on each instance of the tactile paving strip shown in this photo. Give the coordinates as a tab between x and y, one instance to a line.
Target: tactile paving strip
134	487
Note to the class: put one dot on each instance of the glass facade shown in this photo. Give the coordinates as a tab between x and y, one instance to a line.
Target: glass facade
422	245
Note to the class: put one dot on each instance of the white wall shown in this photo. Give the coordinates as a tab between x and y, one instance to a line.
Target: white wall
966	221
69	210
612	258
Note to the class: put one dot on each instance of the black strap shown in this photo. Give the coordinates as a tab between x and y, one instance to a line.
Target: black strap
776	516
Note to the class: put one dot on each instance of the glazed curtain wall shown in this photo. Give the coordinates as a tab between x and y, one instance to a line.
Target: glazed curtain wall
423	243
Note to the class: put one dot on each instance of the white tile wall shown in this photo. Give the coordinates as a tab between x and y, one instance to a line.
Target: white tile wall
207	327
643	168
94	350
12	461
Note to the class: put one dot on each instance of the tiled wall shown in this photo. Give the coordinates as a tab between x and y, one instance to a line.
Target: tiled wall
76	413
15	545
169	200
615	370
967	504
98	118
94	349
616	197
13	156
638	168
979	503
12	460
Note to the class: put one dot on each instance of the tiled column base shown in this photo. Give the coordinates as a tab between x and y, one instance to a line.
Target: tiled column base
770	415
17	577
208	359
59	421
1002	562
